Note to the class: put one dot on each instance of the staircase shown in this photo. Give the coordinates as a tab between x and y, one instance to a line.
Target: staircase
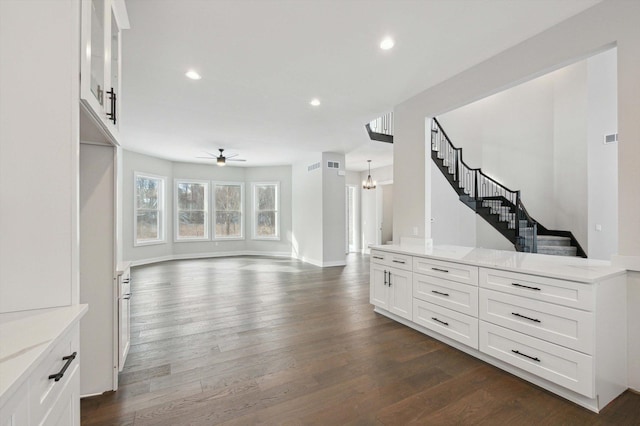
500	206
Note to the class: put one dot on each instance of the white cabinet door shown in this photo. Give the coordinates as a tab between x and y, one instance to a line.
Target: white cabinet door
379	292
102	22
124	319
400	287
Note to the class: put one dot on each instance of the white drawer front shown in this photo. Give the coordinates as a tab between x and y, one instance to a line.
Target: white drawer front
450	294
394	260
43	392
451	271
454	325
567	293
557	324
570	369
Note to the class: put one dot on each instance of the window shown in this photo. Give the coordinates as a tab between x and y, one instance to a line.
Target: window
149	211
265	210
228	202
192	210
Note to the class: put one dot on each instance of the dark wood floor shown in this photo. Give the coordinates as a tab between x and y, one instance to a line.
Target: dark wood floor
251	340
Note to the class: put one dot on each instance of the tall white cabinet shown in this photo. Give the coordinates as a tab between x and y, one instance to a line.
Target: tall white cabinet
39	91
39	250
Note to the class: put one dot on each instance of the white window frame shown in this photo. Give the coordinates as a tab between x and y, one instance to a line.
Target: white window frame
254	208
162	209
176	211
214	211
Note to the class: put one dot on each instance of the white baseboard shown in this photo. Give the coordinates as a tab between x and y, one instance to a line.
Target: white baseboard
186	256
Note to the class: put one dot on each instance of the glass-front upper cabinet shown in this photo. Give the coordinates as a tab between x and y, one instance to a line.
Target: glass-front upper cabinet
100	68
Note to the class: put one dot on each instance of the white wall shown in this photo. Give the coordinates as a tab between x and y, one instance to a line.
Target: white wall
369	201
596	29
135	162
570	151
387	213
333	211
307	211
602	119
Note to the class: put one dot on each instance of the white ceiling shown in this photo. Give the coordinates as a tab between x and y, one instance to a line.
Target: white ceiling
263	61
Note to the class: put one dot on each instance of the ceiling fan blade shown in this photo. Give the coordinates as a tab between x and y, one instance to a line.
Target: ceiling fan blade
231	155
235	159
208	158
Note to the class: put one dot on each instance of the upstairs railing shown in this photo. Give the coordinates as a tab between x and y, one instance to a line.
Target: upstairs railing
381	129
485	190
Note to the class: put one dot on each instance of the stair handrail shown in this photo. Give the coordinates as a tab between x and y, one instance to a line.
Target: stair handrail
471	185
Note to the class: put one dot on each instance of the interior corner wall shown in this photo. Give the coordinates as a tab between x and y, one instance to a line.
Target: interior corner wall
333	211
307	235
602	159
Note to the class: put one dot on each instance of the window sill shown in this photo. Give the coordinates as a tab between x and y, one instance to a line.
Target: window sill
148	243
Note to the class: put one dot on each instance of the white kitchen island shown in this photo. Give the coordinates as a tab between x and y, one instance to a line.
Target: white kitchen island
559	322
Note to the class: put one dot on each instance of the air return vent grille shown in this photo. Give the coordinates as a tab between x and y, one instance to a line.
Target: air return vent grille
611	138
314	166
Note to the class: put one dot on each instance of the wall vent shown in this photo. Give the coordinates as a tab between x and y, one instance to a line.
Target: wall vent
333	164
611	138
314	166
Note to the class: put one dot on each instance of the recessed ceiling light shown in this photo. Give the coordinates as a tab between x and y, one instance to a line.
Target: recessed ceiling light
193	75
315	102
387	43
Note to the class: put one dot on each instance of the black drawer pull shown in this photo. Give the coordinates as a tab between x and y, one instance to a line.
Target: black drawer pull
439	292
378	257
441	322
522	316
385	277
389	278
526	286
127	296
399	261
69	360
440	270
525	355
126	281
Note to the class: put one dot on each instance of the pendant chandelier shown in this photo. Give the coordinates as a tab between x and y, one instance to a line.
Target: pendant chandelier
369	183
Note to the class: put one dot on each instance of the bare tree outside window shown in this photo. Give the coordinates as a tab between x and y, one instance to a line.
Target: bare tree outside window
192	210
149	208
228	207
266	210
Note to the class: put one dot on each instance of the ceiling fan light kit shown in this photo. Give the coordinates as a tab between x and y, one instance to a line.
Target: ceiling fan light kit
221	160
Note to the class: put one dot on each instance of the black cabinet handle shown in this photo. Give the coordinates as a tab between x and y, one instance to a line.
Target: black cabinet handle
525	355
112	97
440	270
127	296
522	316
389	278
440	293
399	261
441	322
59	374
126	281
378	257
385	277
525	286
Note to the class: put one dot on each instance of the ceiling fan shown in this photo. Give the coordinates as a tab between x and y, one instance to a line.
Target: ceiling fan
221	159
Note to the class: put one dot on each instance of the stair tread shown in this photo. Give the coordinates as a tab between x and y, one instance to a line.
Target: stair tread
553	237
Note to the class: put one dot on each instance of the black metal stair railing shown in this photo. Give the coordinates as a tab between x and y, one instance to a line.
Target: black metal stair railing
381	129
484	194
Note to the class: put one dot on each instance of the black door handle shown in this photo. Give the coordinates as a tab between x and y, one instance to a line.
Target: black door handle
59	374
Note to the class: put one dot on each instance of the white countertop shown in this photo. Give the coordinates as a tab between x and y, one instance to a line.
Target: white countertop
25	339
563	267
